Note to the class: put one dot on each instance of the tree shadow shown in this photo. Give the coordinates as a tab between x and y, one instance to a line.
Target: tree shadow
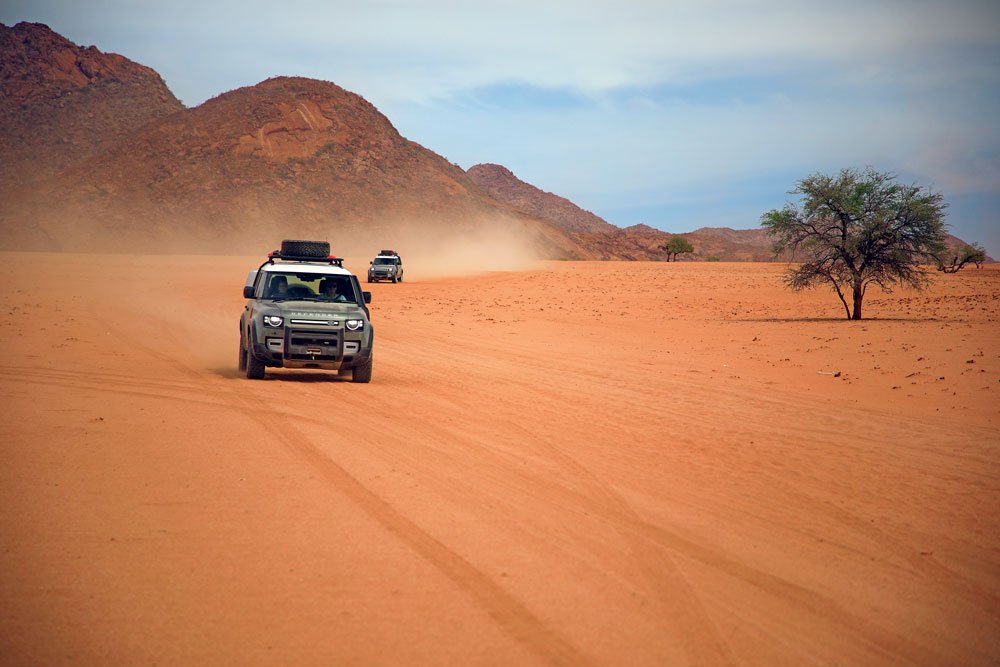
867	320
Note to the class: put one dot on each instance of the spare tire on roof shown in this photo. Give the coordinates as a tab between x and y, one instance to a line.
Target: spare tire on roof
319	249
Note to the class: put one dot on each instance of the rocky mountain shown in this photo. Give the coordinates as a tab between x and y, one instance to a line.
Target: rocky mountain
638	242
602	239
731	245
501	184
607	241
97	153
61	103
287	157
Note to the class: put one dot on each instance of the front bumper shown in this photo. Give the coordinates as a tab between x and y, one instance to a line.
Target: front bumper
306	347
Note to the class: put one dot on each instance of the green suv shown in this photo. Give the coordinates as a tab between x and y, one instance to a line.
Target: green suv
305	310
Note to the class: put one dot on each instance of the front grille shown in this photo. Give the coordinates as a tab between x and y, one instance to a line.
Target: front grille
312	345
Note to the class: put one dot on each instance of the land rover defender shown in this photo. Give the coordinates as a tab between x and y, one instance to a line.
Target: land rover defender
387	265
305	310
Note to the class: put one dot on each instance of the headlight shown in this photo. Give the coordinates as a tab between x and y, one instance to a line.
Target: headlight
355	325
391	269
273	320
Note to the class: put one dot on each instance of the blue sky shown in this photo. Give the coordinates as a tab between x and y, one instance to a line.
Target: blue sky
675	114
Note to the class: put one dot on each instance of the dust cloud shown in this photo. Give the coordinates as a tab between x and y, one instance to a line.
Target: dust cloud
442	250
430	248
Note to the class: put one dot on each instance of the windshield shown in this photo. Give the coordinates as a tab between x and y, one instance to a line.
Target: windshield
287	286
386	260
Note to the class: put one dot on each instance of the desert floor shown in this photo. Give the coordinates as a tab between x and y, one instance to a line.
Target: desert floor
579	463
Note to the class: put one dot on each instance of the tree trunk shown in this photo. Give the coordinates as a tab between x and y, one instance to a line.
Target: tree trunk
859	295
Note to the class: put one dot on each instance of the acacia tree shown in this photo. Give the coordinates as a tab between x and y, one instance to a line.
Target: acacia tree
856	229
677	245
975	254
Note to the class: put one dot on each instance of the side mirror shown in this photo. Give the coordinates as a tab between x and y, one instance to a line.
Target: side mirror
371	263
248	292
367	296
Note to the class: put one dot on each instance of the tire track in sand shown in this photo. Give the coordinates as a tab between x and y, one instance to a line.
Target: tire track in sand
652	545
655	546
509	612
694	627
506	610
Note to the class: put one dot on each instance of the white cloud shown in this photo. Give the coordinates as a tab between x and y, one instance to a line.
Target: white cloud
396	50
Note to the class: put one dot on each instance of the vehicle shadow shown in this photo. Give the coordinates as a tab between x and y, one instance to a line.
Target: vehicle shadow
281	375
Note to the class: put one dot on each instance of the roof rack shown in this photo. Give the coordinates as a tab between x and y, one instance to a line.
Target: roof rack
388	253
329	259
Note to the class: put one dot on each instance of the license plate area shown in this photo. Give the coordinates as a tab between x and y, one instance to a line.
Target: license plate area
312	345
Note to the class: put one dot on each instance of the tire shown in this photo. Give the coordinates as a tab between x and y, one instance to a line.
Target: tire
254	366
319	249
363	373
394	281
243	356
400	277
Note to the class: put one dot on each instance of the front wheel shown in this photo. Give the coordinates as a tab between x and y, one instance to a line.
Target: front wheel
253	366
363	373
243	356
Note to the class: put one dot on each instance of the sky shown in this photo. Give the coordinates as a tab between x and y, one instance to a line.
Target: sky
678	115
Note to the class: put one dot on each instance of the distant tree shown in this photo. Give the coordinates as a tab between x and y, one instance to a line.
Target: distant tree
969	254
858	228
676	245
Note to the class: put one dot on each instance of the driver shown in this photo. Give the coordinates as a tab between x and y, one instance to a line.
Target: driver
328	288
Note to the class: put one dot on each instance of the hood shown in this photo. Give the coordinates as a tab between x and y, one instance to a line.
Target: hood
316	309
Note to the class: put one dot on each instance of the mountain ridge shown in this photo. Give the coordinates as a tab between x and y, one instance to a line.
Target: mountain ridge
61	103
97	153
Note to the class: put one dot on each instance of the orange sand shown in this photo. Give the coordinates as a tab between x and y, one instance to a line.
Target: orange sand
583	463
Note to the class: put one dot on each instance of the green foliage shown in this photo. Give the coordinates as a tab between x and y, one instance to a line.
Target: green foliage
327	148
856	229
969	254
676	245
713	258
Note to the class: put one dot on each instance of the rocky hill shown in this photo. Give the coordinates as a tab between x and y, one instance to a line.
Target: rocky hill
287	157
606	241
61	103
601	239
501	184
731	245
97	153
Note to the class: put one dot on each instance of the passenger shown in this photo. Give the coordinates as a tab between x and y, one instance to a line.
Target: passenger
279	287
